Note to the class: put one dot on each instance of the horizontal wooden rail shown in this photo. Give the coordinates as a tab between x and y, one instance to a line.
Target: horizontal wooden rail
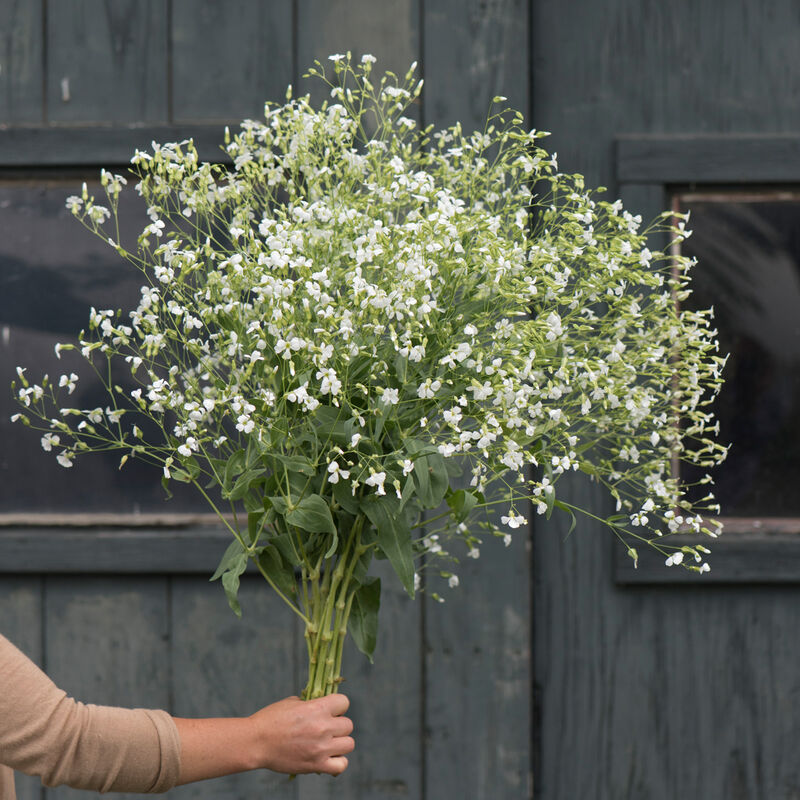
98	145
765	551
708	158
112	550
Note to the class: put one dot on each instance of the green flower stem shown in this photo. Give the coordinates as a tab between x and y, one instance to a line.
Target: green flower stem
327	628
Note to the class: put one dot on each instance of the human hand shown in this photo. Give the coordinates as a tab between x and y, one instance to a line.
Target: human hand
299	736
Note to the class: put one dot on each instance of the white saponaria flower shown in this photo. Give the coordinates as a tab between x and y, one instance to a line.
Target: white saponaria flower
514	520
555	328
188	447
675	559
473	552
391	397
377	479
330	383
407	465
65	459
452	581
48	440
428	389
335	473
245	423
69	381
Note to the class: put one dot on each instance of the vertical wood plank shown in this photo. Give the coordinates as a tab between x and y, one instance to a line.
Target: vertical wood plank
474	51
21	623
229	58
385	706
106	643
477	656
106	61
225	666
325	27
21	62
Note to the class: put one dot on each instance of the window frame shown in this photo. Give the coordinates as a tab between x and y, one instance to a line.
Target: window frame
32	543
649	170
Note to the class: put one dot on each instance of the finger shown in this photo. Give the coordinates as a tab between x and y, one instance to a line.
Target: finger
342	745
335	704
335	765
341	726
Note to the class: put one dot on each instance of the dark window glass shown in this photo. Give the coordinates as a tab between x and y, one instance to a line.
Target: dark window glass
52	271
748	251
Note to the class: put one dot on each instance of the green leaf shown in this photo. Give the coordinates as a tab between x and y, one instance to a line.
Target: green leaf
300	464
230	582
430	473
312	514
280	504
284	543
232	565
243	483
394	536
363	623
462	502
279	572
560	505
234	466
343	494
408	491
401	367
230	559
550	500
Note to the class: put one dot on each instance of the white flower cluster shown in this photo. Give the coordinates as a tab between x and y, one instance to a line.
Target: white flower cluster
342	294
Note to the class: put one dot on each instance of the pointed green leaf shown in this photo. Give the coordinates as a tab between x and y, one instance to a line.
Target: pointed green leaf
279	572
230	559
243	483
363	623
462	502
394	536
312	514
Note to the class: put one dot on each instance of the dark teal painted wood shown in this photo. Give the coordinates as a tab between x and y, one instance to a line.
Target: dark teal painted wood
477	666
21	623
21	62
229	58
659	692
234	668
101	146
106	641
99	551
106	61
474	51
325	27
477	644
731	159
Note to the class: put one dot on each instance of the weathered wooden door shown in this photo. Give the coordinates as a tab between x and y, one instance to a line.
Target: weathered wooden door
97	581
649	686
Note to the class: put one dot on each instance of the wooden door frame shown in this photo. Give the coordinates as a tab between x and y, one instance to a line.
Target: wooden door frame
648	169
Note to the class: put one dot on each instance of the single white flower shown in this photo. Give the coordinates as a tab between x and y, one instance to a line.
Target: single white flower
48	440
377	479
68	381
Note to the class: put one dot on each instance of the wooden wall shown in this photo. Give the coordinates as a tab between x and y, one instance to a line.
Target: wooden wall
607	688
663	691
127	616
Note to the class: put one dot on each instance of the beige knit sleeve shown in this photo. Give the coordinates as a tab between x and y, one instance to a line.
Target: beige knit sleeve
43	732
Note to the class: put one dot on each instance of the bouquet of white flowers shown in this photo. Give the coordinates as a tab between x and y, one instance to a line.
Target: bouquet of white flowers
345	339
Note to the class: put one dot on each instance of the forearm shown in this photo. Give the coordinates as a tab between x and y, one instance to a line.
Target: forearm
211	748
